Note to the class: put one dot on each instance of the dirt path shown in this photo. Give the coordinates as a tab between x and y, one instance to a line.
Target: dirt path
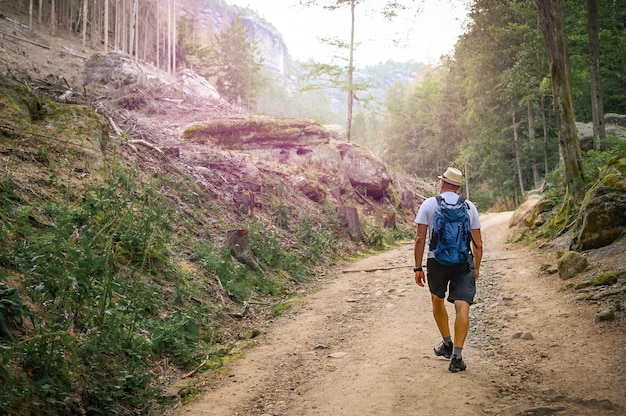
362	345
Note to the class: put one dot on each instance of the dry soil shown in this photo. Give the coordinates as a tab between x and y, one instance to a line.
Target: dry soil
363	345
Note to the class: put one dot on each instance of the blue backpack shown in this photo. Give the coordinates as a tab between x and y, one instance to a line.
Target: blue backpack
451	236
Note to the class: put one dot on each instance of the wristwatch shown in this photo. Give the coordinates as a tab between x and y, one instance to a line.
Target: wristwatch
417	269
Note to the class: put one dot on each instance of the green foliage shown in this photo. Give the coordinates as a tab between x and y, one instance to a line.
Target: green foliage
375	235
235	62
11	307
241	282
594	161
280	308
611	32
316	240
419	141
180	335
499	66
87	272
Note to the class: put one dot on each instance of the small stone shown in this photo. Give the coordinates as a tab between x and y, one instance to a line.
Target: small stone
527	336
517	335
606	315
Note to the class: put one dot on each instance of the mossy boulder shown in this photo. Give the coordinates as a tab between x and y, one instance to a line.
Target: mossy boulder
602	219
250	132
570	264
36	132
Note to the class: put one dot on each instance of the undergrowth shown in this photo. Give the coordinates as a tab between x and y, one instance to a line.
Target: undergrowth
104	300
567	199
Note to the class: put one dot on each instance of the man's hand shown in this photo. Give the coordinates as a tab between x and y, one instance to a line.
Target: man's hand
420	278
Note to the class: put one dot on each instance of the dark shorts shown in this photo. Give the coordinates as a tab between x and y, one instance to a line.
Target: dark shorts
459	280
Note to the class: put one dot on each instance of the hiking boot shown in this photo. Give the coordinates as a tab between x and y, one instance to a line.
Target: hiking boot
456	365
443	350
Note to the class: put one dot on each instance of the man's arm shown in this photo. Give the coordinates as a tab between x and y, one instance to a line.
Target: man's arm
477	250
418	252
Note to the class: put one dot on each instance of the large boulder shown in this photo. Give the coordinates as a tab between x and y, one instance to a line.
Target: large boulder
613	123
115	69
364	170
254	132
601	219
193	84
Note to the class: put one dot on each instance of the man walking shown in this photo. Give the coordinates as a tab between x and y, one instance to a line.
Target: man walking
448	273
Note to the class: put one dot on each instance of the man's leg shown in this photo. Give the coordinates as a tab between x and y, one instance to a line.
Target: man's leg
461	327
461	323
441	316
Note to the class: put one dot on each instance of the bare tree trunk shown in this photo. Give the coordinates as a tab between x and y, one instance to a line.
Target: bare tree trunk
518	157
467	188
146	25
52	17
169	36
407	200
30	15
94	25
546	163
39	15
552	20
84	34
124	28
350	74
106	26
136	24
597	104
116	30
158	28
533	142
174	36
131	29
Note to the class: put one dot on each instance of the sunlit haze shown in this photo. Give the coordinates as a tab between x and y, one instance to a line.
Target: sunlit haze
423	37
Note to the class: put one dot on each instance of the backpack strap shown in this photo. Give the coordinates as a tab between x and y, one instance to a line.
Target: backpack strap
471	237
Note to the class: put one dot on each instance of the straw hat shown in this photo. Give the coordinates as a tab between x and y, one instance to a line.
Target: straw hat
453	176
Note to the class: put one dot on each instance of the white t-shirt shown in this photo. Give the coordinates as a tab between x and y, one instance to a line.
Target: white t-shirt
426	214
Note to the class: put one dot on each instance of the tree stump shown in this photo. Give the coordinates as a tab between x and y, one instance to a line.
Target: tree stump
239	244
336	192
389	220
244	202
407	200
350	219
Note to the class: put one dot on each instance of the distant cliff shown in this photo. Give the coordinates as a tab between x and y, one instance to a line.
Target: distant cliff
215	15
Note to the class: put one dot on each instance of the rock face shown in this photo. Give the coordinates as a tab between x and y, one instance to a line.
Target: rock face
299	142
248	132
215	15
115	69
364	170
271	43
613	123
602	218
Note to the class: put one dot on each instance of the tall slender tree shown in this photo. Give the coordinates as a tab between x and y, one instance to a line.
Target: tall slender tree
338	72
597	104
552	20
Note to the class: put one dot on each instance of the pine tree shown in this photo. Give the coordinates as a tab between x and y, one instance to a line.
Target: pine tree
235	63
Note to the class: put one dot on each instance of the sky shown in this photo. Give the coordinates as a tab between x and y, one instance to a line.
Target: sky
422	37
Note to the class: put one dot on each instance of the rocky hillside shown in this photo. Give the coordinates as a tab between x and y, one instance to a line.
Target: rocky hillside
144	218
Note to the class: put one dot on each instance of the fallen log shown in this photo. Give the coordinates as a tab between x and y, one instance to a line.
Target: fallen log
24	40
